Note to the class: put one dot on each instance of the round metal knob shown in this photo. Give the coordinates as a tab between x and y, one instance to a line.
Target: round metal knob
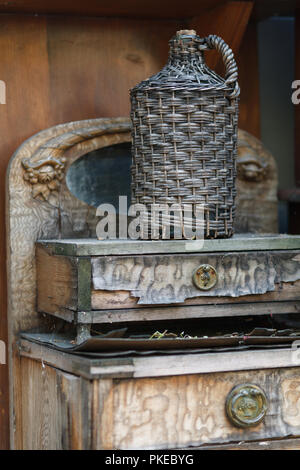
205	277
246	405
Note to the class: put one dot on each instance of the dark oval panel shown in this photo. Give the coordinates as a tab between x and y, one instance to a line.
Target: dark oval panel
101	176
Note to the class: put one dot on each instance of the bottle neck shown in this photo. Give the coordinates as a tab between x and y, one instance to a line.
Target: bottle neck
185	47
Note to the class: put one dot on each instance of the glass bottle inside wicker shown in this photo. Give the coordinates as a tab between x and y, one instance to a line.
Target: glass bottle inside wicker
184	135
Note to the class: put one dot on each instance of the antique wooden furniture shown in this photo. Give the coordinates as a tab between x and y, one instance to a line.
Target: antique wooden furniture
49	49
62	281
181	399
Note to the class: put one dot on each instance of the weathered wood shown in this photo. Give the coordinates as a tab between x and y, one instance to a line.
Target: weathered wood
63	283
247	283
154	413
106	300
56	411
274	444
165	279
145	314
160	365
57	282
75	364
103	412
189	410
239	242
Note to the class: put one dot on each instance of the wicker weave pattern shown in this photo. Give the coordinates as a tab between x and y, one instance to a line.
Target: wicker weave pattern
185	137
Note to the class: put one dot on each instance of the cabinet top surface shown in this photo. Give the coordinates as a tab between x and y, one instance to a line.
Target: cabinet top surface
239	242
158	365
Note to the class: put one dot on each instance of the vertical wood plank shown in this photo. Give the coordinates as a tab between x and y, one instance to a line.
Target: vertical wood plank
103	415
247	59
56	409
229	21
41	422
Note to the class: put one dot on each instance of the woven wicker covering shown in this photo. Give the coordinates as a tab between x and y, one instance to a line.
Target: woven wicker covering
185	133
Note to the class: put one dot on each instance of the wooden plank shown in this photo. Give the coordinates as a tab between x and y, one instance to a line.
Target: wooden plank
173	412
161	365
132	8
106	300
84	283
75	364
212	22
57	282
239	242
274	444
40	420
56	412
186	312
247	60
63	284
167	279
101	391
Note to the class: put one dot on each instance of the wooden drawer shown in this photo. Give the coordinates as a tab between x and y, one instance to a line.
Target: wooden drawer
160	286
149	402
190	410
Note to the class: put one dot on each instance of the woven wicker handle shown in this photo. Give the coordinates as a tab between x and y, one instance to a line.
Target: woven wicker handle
231	74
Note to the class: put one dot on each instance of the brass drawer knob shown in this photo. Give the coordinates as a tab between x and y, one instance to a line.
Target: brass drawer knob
246	405
205	277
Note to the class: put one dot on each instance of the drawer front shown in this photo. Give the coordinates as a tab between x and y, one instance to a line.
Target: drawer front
189	410
95	289
169	279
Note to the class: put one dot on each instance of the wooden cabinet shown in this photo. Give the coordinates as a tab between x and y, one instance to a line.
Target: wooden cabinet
161	399
156	402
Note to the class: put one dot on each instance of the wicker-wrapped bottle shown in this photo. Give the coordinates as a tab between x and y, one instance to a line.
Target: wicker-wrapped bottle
184	133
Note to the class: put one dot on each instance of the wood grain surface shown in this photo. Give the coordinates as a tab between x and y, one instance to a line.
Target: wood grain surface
122	299
169	279
64	411
272	444
56	412
158	365
190	410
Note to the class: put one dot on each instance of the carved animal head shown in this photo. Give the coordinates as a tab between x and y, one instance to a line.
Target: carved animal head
46	174
250	166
